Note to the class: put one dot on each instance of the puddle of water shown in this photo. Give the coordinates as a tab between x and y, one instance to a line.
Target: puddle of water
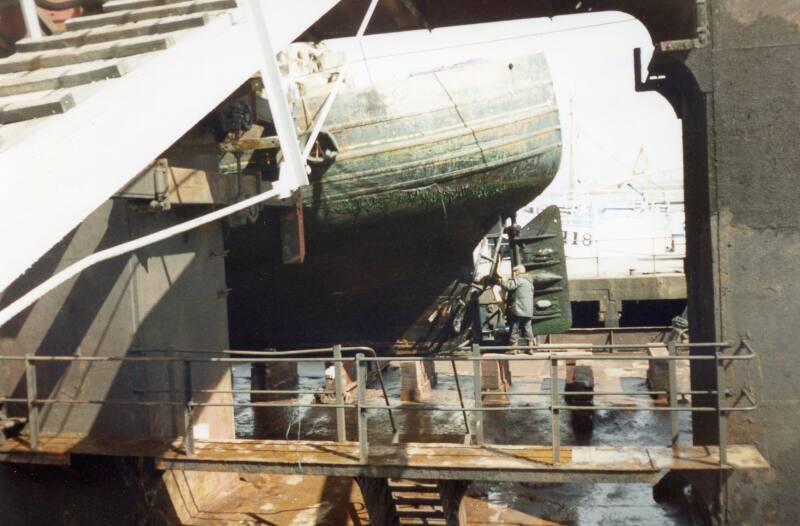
570	505
497	503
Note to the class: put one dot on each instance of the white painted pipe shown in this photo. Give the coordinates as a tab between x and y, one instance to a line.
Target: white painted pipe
293	168
31	18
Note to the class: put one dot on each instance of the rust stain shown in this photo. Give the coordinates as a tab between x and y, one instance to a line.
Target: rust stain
748	12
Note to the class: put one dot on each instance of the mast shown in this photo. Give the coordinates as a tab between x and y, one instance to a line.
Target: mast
573	182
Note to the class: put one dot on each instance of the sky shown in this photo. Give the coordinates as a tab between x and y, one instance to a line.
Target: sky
604	120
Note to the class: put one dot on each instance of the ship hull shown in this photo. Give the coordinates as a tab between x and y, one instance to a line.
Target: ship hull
424	169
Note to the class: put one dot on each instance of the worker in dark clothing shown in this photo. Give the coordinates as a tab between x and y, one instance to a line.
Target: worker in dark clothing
520	306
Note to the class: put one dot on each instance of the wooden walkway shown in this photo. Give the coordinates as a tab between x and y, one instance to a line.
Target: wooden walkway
422	461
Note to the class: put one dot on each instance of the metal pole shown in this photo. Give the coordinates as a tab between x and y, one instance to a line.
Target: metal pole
284	124
341	429
597	258
31	17
361	378
33	407
722	422
673	392
554	422
460	396
653	253
188	409
477	383
395	434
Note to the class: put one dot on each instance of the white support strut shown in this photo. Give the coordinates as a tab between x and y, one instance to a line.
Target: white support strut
31	18
293	169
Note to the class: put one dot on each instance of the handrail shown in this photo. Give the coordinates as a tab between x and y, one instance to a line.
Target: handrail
744	351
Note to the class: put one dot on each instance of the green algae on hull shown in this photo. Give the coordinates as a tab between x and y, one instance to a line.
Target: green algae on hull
483	134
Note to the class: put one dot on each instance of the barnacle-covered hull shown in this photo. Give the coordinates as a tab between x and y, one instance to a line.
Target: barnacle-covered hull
423	168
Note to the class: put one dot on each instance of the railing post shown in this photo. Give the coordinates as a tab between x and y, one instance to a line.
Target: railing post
460	399
554	423
653	253
597	258
338	366
361	378
32	393
478	388
722	417
188	409
673	392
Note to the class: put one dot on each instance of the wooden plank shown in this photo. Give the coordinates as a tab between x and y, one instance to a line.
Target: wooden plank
47	79
33	458
122	17
123	5
188	186
102	51
34	109
96	36
416	455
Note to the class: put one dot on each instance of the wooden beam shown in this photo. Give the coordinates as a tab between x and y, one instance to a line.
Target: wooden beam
34	109
110	34
66	57
48	79
293	233
188	186
415	460
122	17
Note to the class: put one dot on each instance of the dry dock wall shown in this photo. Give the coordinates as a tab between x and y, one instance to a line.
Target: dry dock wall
742	161
171	295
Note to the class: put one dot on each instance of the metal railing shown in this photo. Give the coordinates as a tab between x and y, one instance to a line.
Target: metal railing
558	353
552	354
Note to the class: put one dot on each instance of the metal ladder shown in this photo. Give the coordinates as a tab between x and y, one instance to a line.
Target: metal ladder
417	502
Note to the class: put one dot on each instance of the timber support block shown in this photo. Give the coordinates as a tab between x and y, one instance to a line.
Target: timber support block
417	379
495	376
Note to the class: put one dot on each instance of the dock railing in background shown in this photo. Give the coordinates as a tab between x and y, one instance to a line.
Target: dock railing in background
715	352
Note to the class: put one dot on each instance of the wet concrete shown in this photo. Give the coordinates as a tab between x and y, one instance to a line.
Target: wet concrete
528	423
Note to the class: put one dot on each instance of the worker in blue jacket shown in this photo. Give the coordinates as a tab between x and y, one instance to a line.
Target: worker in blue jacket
520	306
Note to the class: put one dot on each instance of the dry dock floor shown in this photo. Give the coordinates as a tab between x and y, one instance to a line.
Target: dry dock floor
289	482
